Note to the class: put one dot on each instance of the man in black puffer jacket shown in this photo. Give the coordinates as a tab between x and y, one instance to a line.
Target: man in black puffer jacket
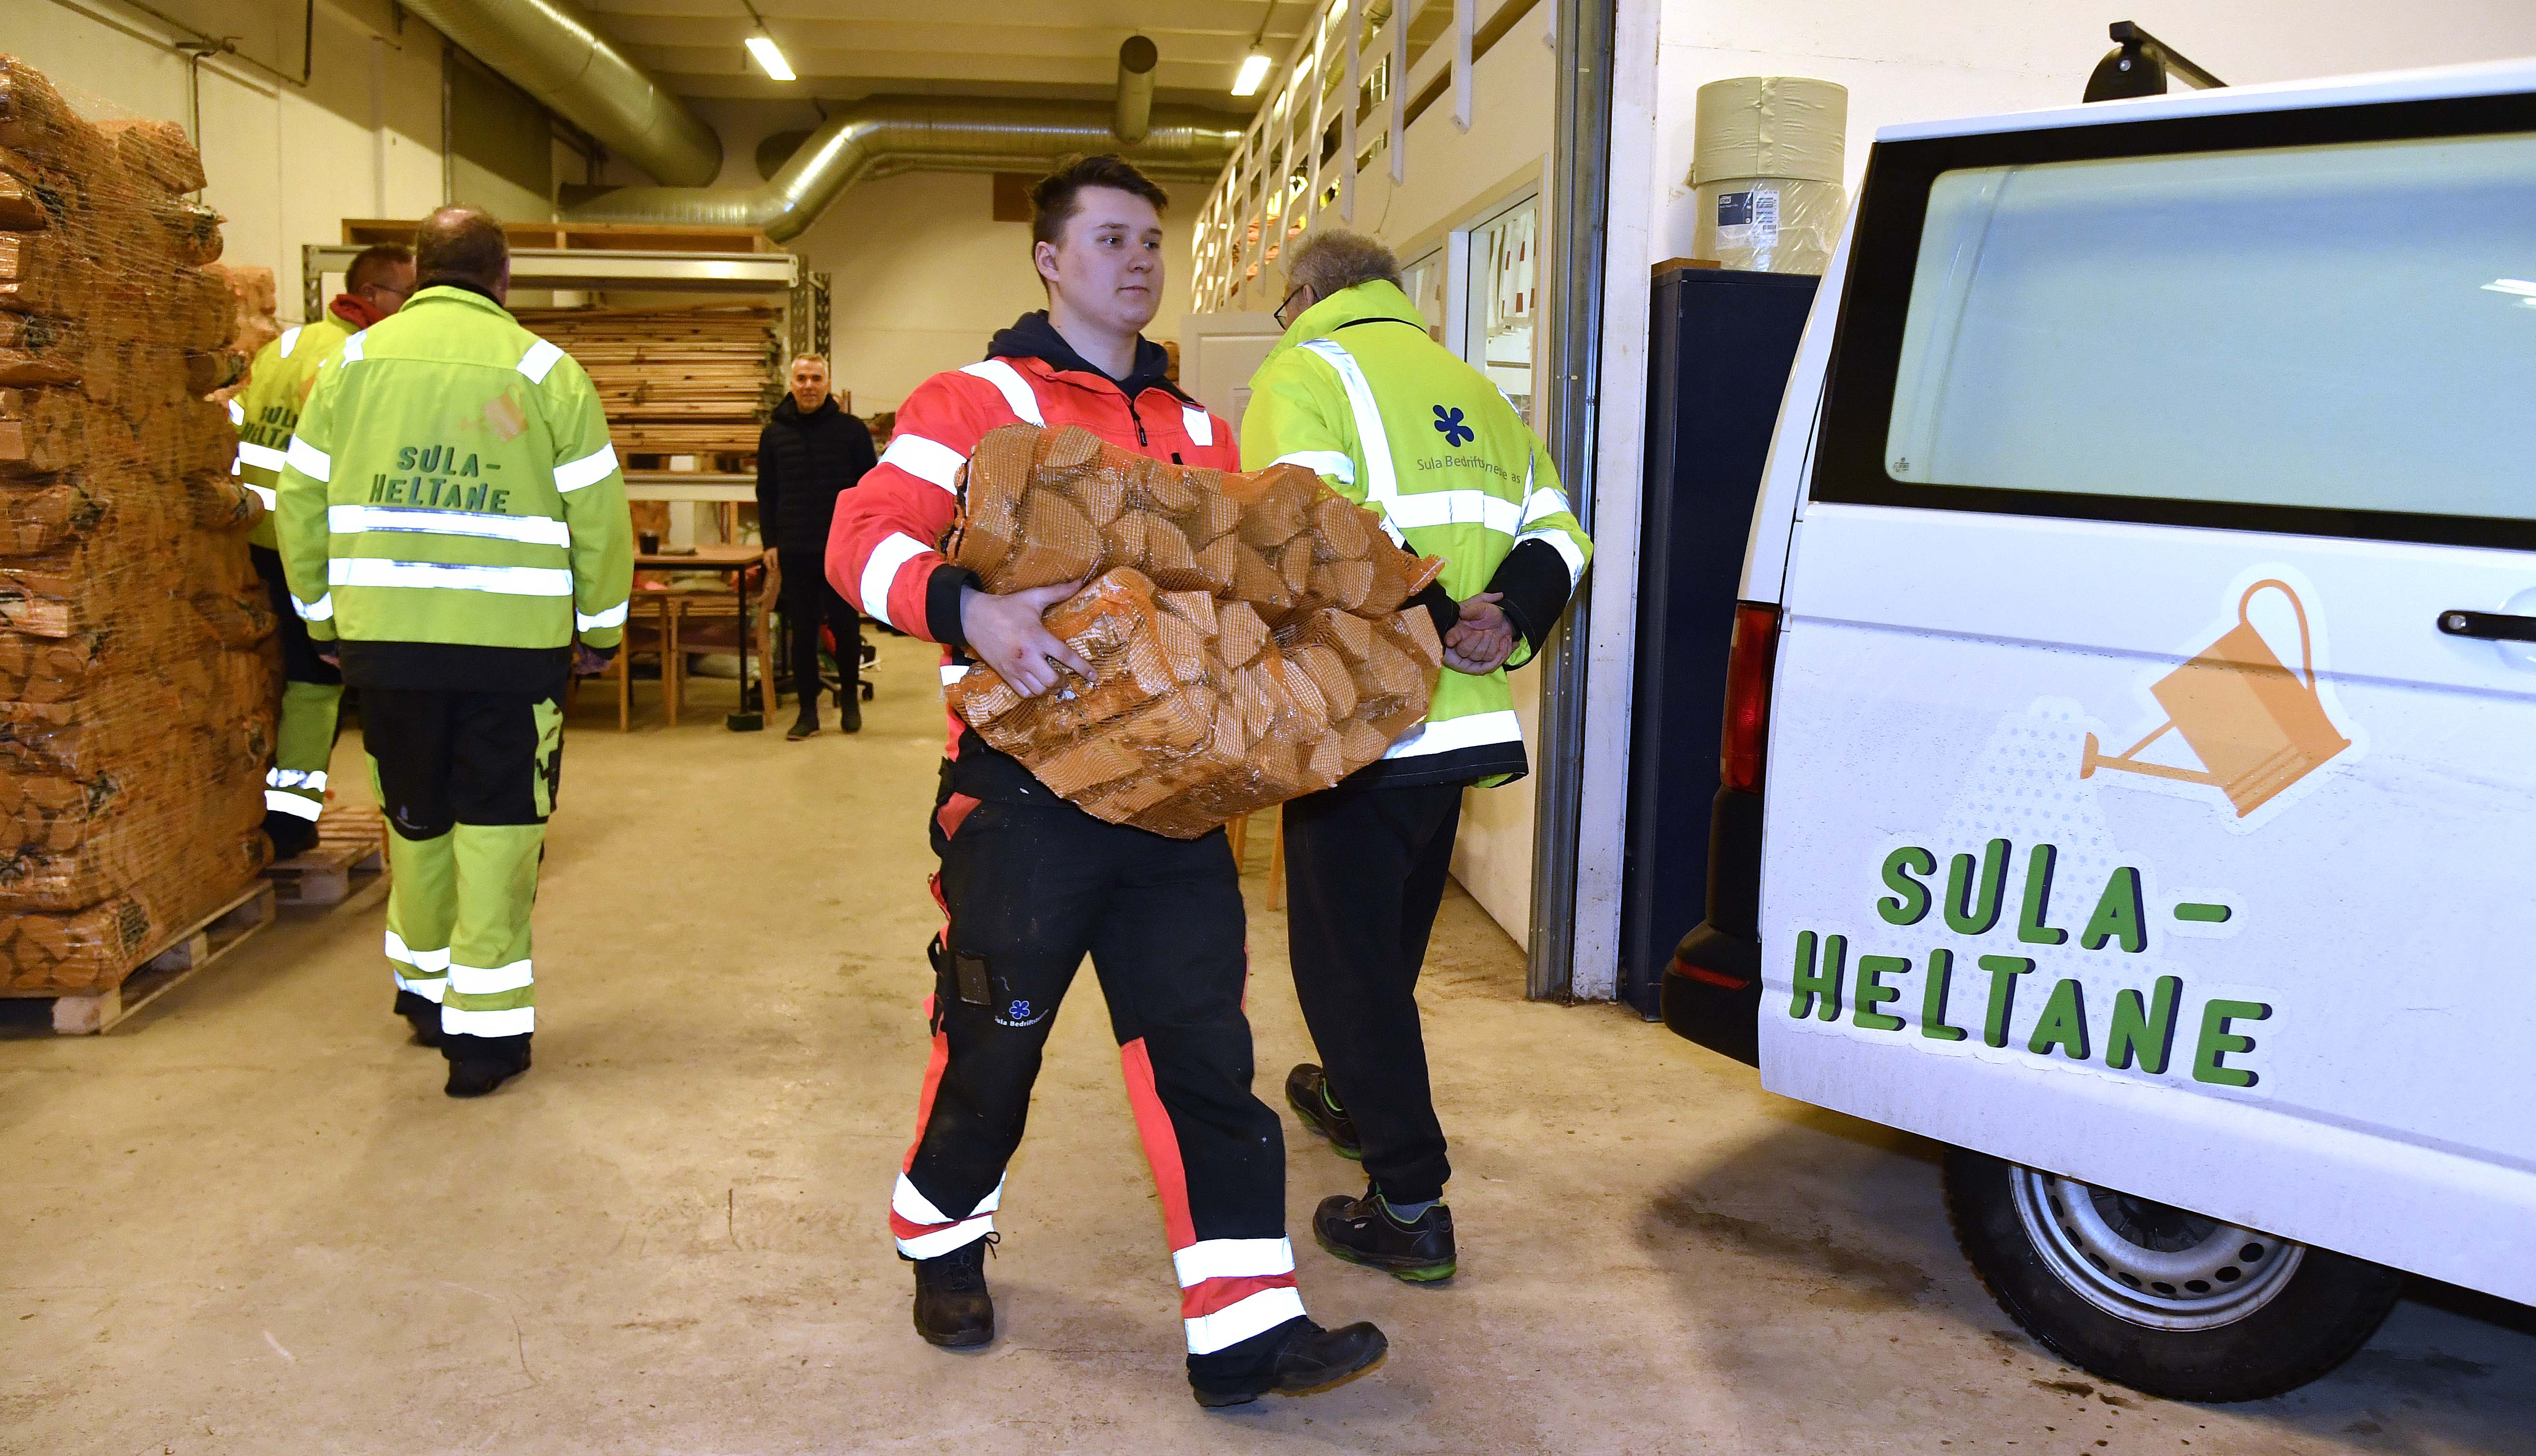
808	453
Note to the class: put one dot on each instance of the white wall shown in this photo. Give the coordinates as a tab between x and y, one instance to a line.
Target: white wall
286	165
1968	57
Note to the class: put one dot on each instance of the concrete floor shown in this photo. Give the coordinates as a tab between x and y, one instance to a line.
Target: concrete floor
248	1221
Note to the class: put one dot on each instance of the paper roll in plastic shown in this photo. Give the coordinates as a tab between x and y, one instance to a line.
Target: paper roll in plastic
1766	172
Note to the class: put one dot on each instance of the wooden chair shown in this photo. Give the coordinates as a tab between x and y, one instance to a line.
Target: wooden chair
709	621
649	629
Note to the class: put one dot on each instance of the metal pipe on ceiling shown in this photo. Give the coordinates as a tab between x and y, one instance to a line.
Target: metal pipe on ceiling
555	52
881	134
1137	57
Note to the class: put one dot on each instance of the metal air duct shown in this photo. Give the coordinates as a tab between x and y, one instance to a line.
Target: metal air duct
555	51
1137	57
881	136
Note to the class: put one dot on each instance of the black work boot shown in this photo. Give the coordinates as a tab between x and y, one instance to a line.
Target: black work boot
1307	1092
423	1016
807	725
952	1306
292	836
1365	1231
1296	1357
850	708
478	1064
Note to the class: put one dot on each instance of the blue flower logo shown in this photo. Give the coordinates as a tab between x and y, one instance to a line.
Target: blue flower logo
1448	423
1018	1011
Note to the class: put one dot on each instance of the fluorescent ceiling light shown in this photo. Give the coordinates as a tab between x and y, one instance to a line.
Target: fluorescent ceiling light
1254	69
763	47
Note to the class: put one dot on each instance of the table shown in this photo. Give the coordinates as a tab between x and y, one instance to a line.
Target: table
732	562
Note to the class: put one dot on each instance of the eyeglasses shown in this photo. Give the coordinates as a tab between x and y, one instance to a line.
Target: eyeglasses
402	295
1283	322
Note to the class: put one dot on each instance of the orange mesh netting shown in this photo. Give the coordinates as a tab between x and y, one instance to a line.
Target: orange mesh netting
137	672
1245	631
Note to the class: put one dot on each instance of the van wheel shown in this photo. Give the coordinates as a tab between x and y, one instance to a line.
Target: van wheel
2158	1299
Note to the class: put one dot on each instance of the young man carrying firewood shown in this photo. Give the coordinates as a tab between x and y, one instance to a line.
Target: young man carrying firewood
1032	884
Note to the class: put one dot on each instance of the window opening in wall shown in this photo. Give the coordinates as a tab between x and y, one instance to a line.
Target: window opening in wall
1504	296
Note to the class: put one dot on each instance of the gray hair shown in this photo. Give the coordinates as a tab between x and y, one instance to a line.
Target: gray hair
1334	260
819	360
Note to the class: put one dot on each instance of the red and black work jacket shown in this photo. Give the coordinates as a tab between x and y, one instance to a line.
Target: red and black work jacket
885	544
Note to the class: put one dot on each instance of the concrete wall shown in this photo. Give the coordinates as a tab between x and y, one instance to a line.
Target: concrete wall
1968	57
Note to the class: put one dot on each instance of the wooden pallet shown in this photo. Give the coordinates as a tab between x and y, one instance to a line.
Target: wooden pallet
191	950
351	853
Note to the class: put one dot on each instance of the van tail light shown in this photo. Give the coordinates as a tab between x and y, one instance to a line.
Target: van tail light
1748	695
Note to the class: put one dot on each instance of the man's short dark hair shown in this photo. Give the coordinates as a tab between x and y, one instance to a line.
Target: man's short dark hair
1057	196
374	264
461	242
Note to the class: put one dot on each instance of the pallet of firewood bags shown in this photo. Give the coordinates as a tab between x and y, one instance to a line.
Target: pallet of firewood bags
138	670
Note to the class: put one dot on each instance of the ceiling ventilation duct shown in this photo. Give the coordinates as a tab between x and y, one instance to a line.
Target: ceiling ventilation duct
1137	57
881	136
552	51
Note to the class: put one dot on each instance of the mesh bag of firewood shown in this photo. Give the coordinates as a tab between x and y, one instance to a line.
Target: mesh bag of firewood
137	666
1245	631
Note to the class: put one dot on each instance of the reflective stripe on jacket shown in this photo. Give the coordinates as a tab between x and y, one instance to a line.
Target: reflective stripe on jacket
267	411
1359	394
450	481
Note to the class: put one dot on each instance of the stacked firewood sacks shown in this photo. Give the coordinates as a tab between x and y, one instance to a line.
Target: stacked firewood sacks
1245	631
135	670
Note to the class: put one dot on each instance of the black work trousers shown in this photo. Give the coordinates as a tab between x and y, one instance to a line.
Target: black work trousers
1364	874
810	599
1031	889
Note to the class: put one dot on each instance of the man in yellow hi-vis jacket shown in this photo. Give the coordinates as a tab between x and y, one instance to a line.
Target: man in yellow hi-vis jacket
1359	392
452	523
267	413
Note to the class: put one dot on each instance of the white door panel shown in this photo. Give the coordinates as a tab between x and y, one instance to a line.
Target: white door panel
2362	1081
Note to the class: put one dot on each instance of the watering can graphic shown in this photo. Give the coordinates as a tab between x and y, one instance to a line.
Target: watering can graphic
2255	726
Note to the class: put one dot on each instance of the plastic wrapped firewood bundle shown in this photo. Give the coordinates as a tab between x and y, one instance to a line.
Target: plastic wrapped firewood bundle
1245	631
137	663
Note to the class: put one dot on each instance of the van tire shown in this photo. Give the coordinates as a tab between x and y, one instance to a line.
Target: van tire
2308	1321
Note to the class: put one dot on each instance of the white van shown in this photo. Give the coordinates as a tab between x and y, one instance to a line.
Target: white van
2130	744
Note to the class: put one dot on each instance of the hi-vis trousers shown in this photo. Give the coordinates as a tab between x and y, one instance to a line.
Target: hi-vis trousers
1031	889
468	781
311	695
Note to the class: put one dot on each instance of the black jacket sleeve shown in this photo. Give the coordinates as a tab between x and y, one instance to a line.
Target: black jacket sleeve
859	453
768	527
1532	586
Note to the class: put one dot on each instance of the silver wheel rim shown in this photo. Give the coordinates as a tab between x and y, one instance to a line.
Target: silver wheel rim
2147	1262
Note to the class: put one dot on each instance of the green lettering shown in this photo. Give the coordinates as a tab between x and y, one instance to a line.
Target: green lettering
1932	998
476	496
404	458
1908	905
1873	992
396	490
378	488
1964	917
2150	1033
2118	913
469	468
2063	1024
431	462
2038	898
1823	985
502	500
2004	971
2217	1042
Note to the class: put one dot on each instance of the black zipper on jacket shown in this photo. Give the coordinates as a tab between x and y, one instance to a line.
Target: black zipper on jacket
1138	418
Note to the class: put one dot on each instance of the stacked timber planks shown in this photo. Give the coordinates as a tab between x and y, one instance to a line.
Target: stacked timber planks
675	381
137	676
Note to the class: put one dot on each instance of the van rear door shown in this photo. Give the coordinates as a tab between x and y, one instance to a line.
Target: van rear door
2152	789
